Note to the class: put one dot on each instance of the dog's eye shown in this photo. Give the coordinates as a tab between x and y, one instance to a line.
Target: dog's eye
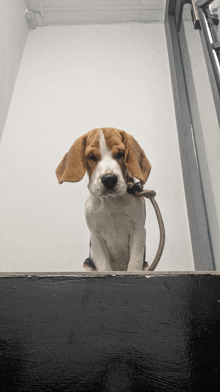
93	158
120	155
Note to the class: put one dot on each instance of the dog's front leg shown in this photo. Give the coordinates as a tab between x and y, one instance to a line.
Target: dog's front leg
99	253
137	247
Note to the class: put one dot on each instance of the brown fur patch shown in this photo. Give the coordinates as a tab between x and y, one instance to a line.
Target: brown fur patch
135	158
73	165
92	148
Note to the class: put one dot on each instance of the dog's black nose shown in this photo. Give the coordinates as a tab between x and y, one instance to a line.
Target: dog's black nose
109	180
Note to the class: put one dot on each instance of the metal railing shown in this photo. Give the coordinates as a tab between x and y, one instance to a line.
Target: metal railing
207	24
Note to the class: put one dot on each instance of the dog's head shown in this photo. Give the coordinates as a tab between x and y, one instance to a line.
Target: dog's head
109	156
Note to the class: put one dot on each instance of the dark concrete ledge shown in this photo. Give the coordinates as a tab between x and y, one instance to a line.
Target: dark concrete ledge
116	332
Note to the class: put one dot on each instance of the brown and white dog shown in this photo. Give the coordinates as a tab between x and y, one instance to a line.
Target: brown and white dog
115	217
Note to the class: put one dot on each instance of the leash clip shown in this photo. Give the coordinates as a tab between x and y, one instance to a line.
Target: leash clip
134	188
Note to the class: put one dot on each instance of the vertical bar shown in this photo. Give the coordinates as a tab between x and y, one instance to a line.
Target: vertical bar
201	245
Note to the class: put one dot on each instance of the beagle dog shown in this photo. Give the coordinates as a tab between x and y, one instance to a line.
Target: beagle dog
115	217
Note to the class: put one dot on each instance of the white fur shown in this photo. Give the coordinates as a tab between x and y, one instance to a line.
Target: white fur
116	223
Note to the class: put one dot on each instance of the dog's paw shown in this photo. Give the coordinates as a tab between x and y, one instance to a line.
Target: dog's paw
137	267
145	266
89	265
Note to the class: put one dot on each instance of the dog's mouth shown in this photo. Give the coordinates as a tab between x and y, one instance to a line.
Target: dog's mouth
110	192
114	192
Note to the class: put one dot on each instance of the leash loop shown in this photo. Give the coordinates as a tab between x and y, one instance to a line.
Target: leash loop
140	192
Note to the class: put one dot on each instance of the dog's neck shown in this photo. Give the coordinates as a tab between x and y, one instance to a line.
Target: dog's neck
109	201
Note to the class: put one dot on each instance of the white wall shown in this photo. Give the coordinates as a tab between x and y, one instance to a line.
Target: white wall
71	80
13	34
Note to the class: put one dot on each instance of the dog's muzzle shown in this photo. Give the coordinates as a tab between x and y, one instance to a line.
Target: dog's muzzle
109	181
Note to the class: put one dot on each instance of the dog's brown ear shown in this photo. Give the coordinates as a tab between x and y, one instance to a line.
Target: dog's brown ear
135	158
73	166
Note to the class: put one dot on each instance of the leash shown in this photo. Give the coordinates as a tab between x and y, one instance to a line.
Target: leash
138	191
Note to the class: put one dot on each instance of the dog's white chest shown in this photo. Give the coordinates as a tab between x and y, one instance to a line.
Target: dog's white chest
108	217
114	220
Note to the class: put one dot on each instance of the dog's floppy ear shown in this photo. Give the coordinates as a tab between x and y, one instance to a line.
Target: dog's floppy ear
73	166
135	158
